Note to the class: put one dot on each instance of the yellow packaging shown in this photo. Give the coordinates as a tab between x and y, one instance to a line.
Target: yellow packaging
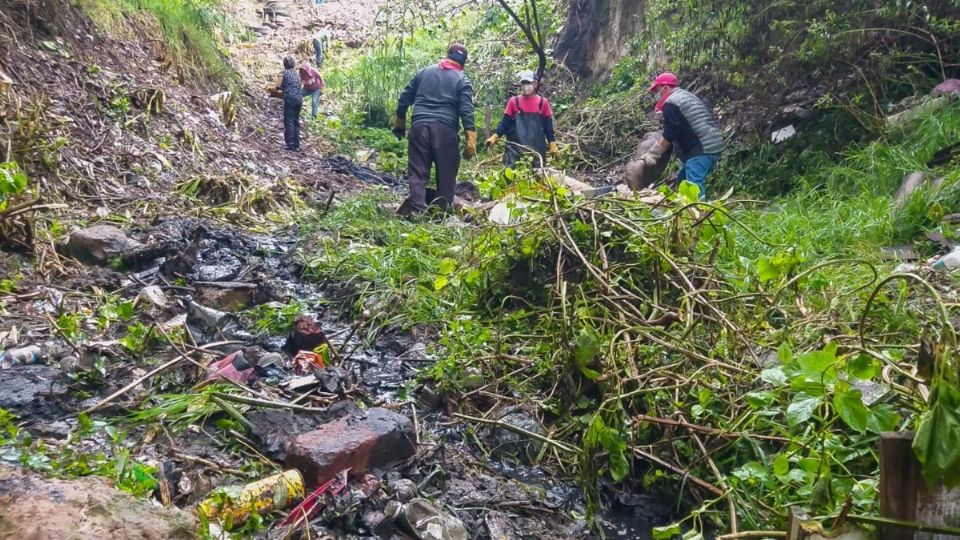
236	504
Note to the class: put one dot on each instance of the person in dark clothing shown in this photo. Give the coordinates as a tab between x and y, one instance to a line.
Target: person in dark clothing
290	85
528	124
689	128
442	98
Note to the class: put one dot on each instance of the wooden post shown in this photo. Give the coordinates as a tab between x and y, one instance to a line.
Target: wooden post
899	482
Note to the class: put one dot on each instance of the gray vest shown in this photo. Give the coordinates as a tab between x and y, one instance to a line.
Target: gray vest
700	119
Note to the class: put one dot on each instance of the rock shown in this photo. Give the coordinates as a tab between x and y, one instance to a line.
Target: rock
32	506
508	444
375	440
404	489
305	336
24	390
154	296
98	244
426	522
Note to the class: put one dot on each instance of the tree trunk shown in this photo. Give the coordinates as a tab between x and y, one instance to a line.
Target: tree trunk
596	34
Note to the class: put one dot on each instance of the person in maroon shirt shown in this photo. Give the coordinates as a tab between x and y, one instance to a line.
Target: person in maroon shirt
528	125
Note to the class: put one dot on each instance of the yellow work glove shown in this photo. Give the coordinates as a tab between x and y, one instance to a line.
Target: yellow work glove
554	150
400	127
470	149
492	141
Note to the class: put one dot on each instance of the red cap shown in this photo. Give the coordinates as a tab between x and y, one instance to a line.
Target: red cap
664	79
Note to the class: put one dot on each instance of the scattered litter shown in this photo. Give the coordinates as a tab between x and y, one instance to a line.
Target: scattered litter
426	522
233	367
21	356
313	504
307	362
949	262
234	504
783	134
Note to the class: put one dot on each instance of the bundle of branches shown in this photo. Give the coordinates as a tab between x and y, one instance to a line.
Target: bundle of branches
665	359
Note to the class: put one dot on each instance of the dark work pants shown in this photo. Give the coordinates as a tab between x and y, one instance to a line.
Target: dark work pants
432	143
291	122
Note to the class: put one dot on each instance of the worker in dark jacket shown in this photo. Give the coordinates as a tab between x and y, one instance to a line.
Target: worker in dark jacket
689	128
528	124
290	86
442	98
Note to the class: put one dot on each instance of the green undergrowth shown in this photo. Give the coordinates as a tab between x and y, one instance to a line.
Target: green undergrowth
193	31
614	320
364	84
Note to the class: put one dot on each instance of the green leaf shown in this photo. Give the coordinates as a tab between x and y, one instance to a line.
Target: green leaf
774	376
937	442
766	270
447	266
882	418
781	465
667	532
689	191
802	408
440	283
759	400
850	407
585	350
817	362
863	367
785	353
619	466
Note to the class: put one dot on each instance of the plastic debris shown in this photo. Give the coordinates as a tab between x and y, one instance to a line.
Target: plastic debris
307	362
233	367
233	505
21	356
426	522
304	511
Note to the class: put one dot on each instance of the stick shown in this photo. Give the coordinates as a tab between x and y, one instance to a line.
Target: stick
695	479
266	403
919	527
134	384
557	444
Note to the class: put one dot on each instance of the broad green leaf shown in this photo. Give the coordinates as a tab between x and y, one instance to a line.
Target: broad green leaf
785	353
774	376
882	418
781	465
619	467
802	408
851	409
766	270
816	362
585	347
440	283
937	442
667	532
689	191
863	367
447	266
759	400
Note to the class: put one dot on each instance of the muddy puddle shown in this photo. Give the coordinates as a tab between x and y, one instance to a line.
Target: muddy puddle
204	272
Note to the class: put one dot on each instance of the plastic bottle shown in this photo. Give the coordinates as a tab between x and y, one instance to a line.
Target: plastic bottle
272	493
949	262
22	356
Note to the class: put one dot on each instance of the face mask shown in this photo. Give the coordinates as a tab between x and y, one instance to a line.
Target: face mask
526	88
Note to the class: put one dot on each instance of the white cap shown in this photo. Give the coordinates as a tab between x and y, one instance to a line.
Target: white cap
526	76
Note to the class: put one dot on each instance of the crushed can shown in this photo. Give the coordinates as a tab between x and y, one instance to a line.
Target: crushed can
233	505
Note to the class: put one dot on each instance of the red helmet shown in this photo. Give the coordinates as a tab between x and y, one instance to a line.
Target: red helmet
664	79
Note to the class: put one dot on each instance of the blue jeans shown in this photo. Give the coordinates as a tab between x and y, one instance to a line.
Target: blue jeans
696	169
314	100
318	49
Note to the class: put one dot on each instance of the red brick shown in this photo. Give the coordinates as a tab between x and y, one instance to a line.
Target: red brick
377	438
